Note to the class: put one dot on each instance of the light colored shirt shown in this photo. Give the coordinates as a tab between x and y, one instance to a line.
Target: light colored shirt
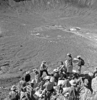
49	85
94	84
43	67
69	66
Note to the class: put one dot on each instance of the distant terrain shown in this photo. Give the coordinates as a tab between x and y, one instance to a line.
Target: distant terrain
36	30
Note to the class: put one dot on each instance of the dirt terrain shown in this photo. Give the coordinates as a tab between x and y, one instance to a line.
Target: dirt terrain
29	35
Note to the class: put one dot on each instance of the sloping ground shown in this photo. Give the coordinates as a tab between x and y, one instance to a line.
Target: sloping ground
28	36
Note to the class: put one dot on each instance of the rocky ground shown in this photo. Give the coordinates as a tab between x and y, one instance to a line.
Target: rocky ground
28	37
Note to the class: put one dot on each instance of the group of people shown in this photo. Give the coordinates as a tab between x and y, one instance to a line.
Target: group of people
64	81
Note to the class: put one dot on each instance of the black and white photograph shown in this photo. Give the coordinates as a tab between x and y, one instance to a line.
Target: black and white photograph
48	49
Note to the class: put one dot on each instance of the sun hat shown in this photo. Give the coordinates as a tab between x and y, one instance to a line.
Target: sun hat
74	71
90	74
75	60
67	94
73	82
43	62
55	70
13	88
68	54
46	77
28	72
78	56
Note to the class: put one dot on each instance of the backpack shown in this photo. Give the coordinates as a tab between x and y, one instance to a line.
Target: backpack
82	62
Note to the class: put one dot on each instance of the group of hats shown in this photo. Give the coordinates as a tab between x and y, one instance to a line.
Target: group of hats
68	54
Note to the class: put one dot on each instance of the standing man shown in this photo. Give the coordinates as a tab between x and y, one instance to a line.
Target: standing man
69	64
43	68
49	88
80	63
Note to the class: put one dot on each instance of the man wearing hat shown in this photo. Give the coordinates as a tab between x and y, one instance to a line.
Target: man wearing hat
50	83
80	63
49	88
68	63
56	74
43	68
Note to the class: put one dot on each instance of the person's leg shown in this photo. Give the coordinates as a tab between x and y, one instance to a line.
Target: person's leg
46	72
45	97
91	90
49	95
41	73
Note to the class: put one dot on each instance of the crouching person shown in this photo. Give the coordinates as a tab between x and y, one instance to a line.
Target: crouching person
13	94
48	88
